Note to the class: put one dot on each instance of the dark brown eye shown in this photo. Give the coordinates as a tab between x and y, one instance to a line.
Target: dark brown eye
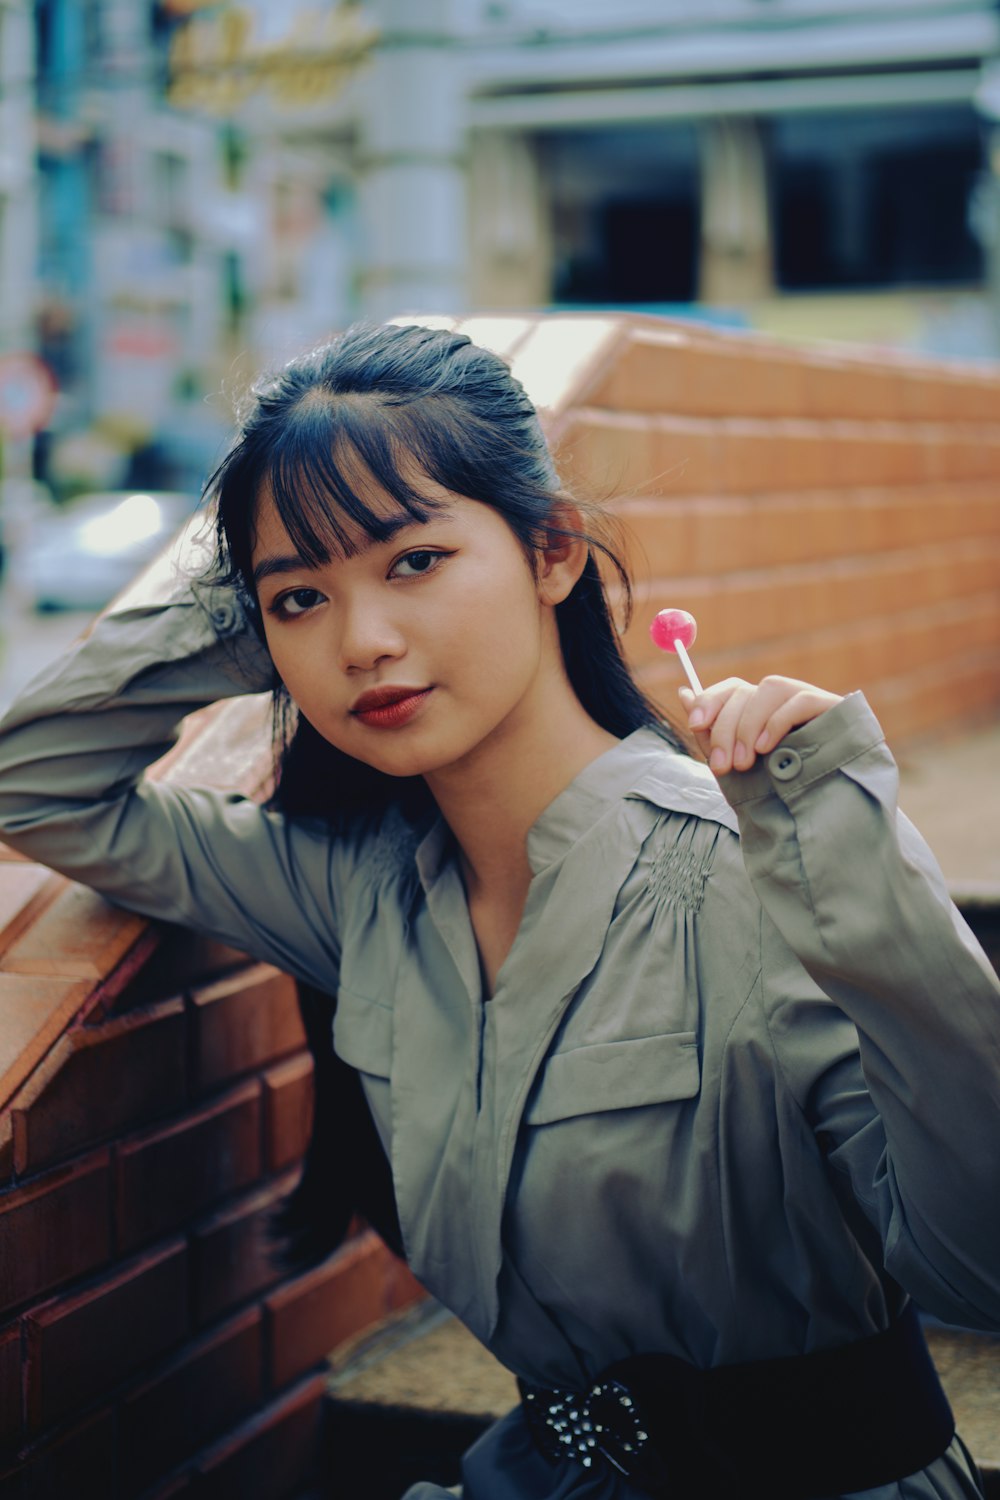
412	564
296	602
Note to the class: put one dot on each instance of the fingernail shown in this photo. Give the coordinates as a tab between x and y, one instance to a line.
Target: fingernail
761	741
740	754
717	759
697	717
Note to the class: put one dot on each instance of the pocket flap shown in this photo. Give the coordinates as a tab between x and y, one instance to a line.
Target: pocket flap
616	1075
362	1034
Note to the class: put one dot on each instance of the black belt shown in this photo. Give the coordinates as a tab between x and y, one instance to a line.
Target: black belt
798	1428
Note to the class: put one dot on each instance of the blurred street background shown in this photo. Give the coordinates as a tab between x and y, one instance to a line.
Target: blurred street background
191	189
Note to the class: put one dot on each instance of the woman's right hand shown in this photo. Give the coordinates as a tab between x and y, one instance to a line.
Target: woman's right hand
735	721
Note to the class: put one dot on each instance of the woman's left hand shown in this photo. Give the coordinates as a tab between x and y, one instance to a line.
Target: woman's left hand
735	721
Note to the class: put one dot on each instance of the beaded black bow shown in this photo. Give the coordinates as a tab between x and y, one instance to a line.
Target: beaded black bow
604	1423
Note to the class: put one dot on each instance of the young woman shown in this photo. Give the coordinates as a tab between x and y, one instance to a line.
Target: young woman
686	1085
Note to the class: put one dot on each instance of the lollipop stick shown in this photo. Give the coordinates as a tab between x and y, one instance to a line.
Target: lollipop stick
689	671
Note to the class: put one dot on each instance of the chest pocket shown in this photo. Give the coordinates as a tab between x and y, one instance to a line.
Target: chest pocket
362	1034
616	1075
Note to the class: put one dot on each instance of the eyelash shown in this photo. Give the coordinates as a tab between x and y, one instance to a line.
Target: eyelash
279	606
435	556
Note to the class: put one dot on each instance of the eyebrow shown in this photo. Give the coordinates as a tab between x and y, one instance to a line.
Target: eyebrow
291	562
269	566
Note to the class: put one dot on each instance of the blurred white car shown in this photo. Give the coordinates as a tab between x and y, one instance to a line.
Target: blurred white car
81	554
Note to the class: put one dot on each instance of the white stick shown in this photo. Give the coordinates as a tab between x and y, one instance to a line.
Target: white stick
689	671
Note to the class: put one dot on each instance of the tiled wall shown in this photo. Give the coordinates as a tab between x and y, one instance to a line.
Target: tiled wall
830	517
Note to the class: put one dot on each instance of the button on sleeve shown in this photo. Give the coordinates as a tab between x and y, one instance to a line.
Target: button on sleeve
784	763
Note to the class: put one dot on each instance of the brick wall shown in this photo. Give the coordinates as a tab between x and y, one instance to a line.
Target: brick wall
831	517
156	1088
158	1100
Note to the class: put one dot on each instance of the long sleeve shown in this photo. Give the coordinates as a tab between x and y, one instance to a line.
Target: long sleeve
73	750
855	895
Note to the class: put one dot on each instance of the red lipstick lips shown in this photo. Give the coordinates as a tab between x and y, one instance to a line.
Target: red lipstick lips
388	707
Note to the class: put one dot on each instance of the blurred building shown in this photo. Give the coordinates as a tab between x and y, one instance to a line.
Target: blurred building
140	244
810	165
18	224
750	155
222	181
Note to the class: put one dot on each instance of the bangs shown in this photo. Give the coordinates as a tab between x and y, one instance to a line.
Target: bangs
336	476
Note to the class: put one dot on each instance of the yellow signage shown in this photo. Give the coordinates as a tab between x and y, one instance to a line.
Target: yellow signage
216	62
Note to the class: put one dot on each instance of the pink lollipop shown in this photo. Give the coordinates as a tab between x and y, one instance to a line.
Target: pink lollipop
675	630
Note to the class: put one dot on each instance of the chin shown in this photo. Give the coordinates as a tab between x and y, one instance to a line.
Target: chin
399	761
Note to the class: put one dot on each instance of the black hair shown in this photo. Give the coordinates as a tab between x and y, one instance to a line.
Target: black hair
392	403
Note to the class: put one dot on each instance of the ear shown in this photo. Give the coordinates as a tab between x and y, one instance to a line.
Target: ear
563	558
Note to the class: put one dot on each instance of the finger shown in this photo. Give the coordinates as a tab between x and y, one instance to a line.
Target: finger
700	736
804	705
704	709
724	727
759	708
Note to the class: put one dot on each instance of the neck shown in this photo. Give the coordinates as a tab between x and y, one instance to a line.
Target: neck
491	799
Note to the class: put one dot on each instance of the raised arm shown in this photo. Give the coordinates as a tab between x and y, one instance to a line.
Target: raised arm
856	897
73	751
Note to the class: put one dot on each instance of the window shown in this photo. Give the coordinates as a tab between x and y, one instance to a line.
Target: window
875	199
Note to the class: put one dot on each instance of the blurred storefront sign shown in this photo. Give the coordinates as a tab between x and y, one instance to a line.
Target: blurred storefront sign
221	58
139	354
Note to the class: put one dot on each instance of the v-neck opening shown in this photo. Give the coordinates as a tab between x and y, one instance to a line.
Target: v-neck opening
555	832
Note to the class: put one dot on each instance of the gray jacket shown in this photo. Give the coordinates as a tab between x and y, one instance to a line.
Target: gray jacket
729	1103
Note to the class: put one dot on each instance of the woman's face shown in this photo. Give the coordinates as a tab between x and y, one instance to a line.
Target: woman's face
419	651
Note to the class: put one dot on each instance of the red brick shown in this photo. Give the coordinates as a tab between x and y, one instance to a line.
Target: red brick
80	936
77	1463
683	457
312	1315
80	1346
184	960
211	1386
56	1228
6	1150
242	1023
750	459
919	393
233	1253
10	1388
667	372
25	889
816	596
770	382
955	637
915	702
273	1454
604	453
399	1285
166	1176
98	1081
288	1111
36	1010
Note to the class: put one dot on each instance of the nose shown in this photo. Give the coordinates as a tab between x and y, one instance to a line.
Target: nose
368	635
